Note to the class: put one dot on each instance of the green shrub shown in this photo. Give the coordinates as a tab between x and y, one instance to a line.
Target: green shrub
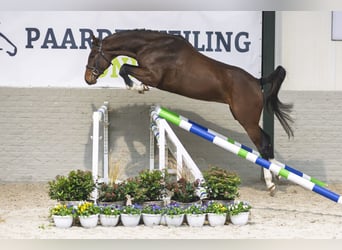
152	184
112	192
76	186
146	186
183	191
221	184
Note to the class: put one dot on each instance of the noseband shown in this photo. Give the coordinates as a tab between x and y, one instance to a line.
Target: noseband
94	70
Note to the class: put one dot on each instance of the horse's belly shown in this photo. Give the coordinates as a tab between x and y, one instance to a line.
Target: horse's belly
196	91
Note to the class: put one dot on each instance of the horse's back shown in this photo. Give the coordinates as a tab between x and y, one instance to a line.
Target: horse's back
183	70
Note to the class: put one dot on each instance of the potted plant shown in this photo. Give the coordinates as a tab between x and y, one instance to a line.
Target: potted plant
62	215
88	214
109	216
146	188
217	213
174	214
132	189
184	192
239	212
76	186
112	194
130	215
152	184
152	214
195	215
221	184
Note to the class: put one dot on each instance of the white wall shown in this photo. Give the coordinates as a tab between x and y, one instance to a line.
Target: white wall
304	47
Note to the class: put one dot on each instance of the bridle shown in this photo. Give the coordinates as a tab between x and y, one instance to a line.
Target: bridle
94	70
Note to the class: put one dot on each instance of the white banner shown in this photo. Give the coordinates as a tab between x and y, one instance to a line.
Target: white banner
50	48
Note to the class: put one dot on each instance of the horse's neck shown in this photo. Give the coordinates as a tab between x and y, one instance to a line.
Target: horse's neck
124	44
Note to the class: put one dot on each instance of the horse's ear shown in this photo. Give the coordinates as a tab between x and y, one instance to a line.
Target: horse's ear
95	41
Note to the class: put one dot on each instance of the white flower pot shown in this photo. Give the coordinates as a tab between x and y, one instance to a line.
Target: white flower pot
163	220
130	220
62	221
109	220
151	219
217	219
239	219
174	220
195	220
89	221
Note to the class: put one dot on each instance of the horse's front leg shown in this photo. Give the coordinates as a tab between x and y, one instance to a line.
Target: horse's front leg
141	88
136	72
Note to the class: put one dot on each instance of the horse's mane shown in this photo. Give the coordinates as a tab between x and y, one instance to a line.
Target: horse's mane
153	32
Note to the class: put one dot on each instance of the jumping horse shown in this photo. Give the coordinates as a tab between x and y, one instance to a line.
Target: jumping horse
171	63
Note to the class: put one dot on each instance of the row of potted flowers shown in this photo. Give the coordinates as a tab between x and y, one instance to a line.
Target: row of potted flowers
156	185
172	215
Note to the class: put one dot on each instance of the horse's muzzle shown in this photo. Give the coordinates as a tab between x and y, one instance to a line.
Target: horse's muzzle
89	77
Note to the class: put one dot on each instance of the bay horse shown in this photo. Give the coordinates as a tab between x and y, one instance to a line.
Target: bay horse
172	64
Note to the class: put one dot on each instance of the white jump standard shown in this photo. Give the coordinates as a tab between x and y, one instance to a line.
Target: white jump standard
100	116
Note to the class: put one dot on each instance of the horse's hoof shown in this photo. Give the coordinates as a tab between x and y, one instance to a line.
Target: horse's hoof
272	190
143	88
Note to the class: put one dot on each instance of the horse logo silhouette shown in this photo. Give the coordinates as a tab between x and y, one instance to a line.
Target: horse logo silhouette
7	46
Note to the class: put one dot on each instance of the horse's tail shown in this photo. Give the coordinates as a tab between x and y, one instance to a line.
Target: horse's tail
272	102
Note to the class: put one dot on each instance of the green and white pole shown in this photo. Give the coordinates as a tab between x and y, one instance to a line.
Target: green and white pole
243	153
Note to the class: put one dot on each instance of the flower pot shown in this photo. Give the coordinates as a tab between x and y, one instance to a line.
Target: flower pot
163	220
62	221
117	204
174	220
223	202
151	219
185	205
195	220
217	219
89	221
149	203
130	220
240	219
109	220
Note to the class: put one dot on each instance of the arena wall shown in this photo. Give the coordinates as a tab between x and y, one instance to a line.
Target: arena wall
47	131
305	48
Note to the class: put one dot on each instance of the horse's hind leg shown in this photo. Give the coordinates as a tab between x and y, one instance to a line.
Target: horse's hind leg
266	151
262	142
266	146
247	112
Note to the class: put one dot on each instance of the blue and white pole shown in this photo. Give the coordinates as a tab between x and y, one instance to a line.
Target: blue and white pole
243	153
282	165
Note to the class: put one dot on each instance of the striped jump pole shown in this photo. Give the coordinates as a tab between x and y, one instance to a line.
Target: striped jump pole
243	153
282	165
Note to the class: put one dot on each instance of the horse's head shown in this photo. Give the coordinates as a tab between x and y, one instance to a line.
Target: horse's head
98	62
